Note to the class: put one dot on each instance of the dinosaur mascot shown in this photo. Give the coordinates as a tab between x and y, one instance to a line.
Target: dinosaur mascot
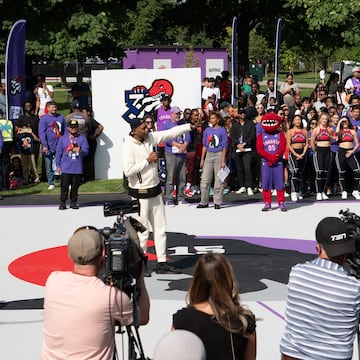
270	145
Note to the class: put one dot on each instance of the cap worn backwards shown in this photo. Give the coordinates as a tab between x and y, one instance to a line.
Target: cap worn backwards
333	234
135	123
85	245
73	123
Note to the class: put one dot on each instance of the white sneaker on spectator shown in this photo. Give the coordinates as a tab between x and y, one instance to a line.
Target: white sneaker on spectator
249	191
324	196
51	187
274	193
294	196
344	195
318	196
241	190
299	195
356	194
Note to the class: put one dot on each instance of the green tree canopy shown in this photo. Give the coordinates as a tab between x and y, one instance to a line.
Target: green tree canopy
67	30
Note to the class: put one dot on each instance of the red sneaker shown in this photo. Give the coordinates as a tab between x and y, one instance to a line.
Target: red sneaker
188	192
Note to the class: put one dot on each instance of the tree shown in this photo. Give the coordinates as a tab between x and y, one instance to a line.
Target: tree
289	59
191	60
259	48
330	18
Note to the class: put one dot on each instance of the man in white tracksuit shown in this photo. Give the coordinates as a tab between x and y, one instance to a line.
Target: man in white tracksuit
140	166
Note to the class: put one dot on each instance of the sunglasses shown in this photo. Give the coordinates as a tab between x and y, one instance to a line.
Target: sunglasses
149	122
187	113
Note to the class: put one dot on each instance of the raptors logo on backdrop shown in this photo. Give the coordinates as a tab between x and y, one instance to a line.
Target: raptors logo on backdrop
141	100
16	85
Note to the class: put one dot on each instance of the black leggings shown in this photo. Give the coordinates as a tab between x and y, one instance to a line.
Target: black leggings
343	163
322	160
296	168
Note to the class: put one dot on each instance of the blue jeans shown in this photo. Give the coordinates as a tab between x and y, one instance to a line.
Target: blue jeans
48	158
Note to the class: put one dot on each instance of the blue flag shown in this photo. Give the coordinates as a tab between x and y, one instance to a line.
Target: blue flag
15	70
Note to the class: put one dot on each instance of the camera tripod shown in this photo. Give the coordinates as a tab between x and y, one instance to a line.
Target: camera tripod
135	348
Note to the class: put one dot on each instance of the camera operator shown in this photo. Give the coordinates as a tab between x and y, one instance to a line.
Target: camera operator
140	166
323	303
80	310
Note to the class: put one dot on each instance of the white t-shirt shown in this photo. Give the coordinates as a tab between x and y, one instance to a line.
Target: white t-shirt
44	97
207	92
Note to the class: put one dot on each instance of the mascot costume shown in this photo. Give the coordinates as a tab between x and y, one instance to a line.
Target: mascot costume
270	145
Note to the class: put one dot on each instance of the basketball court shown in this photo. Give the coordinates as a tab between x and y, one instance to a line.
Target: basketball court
261	246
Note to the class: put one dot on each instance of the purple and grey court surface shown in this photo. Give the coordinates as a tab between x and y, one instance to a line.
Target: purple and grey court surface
262	247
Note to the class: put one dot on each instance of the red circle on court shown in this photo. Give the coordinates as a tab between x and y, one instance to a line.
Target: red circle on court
37	266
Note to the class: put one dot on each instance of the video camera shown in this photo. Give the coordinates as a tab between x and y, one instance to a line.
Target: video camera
353	222
123	255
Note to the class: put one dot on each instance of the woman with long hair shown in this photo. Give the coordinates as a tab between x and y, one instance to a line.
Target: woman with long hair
289	89
297	141
214	312
320	143
345	157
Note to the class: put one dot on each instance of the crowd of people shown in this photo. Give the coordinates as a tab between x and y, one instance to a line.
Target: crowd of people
320	159
38	131
315	162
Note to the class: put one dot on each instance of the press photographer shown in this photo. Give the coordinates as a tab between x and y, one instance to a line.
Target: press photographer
323	302
81	310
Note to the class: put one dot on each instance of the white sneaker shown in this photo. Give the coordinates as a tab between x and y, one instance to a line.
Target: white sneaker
318	196
274	193
241	190
286	194
249	191
51	187
344	195
356	194
324	196
299	195
294	196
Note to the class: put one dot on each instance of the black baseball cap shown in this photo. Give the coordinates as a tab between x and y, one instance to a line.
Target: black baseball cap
333	234
136	123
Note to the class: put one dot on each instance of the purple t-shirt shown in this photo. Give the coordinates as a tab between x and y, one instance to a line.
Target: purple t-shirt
215	139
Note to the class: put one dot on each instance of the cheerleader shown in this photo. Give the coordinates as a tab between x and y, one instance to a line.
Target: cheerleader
320	143
297	141
345	157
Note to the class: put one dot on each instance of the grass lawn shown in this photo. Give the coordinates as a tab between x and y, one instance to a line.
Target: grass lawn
96	186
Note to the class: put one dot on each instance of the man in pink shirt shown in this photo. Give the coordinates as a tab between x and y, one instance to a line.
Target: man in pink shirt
80	310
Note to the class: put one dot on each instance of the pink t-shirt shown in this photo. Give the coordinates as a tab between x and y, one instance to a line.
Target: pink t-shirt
80	312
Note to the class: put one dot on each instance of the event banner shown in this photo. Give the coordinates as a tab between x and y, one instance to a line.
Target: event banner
15	70
122	95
